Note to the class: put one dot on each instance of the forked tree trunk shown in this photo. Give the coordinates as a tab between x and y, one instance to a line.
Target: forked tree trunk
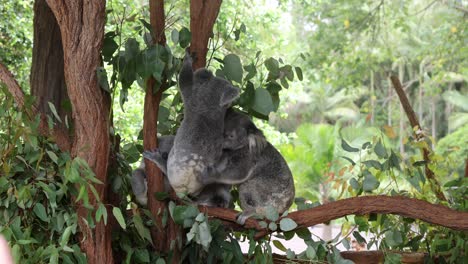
82	28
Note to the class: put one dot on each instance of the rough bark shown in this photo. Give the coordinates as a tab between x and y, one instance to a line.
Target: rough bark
203	14
418	132
407	207
162	235
82	28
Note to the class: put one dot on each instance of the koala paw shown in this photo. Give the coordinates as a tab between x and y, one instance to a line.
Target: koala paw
241	218
206	175
152	155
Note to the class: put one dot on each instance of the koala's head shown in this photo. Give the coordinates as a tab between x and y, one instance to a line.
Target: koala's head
210	92
165	144
203	92
240	131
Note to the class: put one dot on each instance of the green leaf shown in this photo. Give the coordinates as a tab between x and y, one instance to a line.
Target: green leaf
380	150
263	102
288	72
54	111
370	183
348	159
132	49
233	68
118	215
311	253
161	196
101	212
141	229
272	226
175	36
40	211
272	65
287	224
359	238
373	164
394	161
205	235
66	236
160	261
299	73
304	233
52	156
271	213
251	71
355	184
185	36
279	245
347	147
109	46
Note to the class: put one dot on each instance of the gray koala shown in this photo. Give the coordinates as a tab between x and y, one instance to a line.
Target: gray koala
198	142
254	165
216	195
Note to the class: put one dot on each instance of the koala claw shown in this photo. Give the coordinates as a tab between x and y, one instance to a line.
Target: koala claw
241	218
152	155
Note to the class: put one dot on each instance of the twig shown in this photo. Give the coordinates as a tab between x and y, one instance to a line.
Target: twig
419	136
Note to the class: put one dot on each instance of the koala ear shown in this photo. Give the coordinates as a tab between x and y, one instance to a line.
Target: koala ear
186	73
203	75
230	94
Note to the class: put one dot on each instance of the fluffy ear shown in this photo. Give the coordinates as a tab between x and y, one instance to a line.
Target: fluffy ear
186	73
229	96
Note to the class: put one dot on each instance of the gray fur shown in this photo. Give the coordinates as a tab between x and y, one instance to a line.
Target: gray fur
198	142
261	173
216	195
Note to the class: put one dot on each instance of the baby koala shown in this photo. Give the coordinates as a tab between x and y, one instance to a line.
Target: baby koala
249	161
215	195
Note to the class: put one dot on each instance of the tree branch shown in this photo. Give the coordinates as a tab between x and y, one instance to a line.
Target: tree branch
60	136
419	136
403	206
203	14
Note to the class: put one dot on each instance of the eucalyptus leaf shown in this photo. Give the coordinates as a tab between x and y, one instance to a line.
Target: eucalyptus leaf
287	224
119	217
233	68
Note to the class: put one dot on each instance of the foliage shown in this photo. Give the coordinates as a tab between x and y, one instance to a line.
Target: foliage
327	62
16	37
37	186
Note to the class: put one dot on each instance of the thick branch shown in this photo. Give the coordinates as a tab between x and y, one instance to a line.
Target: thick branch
60	136
203	14
418	134
162	236
407	207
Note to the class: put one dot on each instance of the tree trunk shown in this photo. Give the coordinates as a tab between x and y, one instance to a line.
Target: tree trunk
82	28
47	76
203	14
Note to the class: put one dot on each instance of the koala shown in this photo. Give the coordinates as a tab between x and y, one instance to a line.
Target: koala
249	161
199	139
216	195
138	180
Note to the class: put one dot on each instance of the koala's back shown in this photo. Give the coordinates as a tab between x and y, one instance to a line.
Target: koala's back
271	183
